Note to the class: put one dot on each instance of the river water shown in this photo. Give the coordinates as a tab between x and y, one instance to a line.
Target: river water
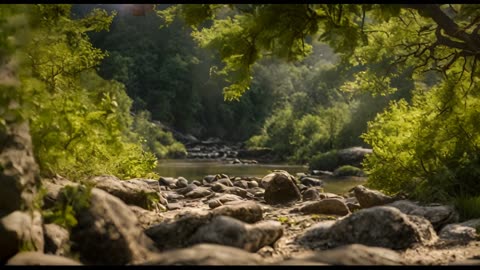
197	169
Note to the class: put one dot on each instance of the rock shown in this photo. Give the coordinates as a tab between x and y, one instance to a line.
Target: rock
354	254
146	218
181	182
236	161
311	194
199	192
257	192
310	181
108	232
380	226
463	232
173	197
224	198
174	206
210	178
167	181
196	182
438	215
241	184
249	212
134	192
56	239
53	187
225	181
218	187
369	198
20	230
317	236
185	190
322	173
353	206
38	258
252	184
206	254
18	169
326	195
228	231
326	207
281	188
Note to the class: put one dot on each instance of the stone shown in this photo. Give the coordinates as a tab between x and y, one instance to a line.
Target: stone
311	194
241	184
181	182
326	207
224	198
228	231
327	195
438	215
108	232
20	230
199	192
38	258
353	206
462	232
379	226
206	254
134	192
257	192
225	181
281	188
249	212
310	181
252	184
146	218
174	206
369	198
210	178
173	197
57	239
196	182
187	189
167	181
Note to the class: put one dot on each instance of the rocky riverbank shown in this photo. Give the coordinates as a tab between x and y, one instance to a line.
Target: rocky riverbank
224	220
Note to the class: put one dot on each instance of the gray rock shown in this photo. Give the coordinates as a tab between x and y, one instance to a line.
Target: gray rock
252	184
379	226
224	198
225	181
310	181
463	232
369	198
108	232
187	189
281	188
353	206
257	192
196	182
221	188
210	178
167	181
206	254
354	254
146	218
181	182
173	196
241	183
311	194
327	195
53	187
228	231
249	212
174	206
322	173
38	258
134	192
18	169
199	192
20	230
438	215
57	239
326	207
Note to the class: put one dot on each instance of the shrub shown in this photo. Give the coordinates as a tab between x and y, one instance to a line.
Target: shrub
328	161
348	170
468	207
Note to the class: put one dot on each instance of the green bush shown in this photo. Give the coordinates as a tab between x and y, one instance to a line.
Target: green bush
468	207
328	161
348	170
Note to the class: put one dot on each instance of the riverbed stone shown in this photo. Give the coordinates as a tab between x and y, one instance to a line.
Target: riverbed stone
222	199
229	231
206	254
438	215
462	232
246	211
241	183
310	181
280	188
369	197
187	189
327	207
181	182
146	218
108	232
38	258
257	192
167	181
379	226
196	182
252	184
311	194
199	192
225	181
56	239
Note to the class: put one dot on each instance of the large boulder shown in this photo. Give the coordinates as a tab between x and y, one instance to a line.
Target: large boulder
18	169
57	239
249	212
369	198
379	226
326	207
38	258
206	254
228	231
134	192
108	232
462	232
146	218
354	254
20	231
438	215
53	188
280	188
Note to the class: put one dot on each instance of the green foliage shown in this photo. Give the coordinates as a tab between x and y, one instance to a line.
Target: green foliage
468	207
328	161
71	201
348	170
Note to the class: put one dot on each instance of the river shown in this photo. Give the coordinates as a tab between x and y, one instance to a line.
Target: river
197	169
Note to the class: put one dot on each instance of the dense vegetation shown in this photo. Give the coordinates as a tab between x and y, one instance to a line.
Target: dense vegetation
92	80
